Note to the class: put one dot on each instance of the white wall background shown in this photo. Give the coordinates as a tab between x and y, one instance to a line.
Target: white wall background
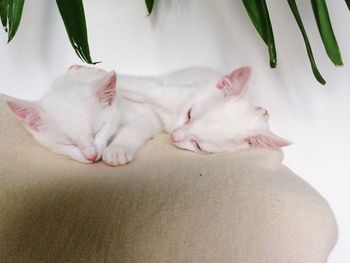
217	34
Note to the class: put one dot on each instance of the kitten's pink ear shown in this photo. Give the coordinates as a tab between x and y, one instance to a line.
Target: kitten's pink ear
234	85
105	88
266	140
30	115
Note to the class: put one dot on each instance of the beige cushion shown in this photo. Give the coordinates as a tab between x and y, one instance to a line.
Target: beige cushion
167	206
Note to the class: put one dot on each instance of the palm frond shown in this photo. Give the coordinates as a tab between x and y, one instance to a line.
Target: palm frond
11	14
348	3
73	16
149	4
259	15
295	11
326	31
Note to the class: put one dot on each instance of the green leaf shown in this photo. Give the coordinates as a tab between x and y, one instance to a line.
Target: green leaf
348	3
3	13
297	17
325	28
149	4
259	15
72	13
11	13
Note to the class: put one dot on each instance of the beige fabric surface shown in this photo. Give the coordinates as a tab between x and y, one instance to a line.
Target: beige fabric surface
167	206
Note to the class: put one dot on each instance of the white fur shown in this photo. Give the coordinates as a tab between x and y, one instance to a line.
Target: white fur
74	121
219	123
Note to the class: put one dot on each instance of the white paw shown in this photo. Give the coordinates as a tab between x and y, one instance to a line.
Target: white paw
115	155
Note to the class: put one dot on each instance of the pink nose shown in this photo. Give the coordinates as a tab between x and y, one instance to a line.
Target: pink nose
92	158
90	153
177	136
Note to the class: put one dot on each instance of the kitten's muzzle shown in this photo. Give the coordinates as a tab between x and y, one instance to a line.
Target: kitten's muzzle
92	158
177	136
90	153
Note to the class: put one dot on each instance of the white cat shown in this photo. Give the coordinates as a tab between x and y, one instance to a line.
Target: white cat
76	118
203	111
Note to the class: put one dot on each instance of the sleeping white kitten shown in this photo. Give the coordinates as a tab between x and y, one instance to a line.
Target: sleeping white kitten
76	118
204	111
81	116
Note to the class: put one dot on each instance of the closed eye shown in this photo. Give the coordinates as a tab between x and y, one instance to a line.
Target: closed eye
188	116
195	143
68	144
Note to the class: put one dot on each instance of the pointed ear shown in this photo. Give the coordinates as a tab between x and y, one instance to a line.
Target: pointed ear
234	85
266	140
27	112
104	89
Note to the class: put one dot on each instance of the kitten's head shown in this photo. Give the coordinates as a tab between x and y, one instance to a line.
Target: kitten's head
76	118
221	121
